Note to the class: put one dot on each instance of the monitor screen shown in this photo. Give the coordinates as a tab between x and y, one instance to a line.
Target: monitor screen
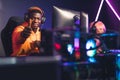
64	18
68	25
69	19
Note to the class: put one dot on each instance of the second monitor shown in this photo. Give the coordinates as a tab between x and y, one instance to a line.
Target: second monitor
66	19
68	26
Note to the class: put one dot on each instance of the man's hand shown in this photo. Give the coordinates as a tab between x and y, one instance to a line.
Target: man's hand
26	32
37	44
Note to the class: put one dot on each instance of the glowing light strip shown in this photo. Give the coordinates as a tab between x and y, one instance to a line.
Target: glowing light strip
113	10
99	10
76	43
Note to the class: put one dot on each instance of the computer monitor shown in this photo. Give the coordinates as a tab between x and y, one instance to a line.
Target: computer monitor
66	19
63	18
68	25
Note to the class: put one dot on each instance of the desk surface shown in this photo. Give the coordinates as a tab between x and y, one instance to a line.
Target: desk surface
28	59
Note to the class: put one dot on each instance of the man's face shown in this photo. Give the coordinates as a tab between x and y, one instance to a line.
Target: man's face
36	20
100	29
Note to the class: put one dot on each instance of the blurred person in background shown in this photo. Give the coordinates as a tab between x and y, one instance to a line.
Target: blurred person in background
97	28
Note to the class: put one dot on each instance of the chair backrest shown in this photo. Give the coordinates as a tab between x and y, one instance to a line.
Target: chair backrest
6	33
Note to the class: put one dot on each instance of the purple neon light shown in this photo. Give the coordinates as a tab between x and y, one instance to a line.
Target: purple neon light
76	43
113	10
99	10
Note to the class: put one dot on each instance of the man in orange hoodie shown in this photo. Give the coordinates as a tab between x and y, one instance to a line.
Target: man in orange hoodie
26	37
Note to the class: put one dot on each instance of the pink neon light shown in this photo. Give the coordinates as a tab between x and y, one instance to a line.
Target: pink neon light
99	10
76	43
113	10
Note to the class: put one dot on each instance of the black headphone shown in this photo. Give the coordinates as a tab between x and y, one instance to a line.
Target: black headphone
93	28
28	14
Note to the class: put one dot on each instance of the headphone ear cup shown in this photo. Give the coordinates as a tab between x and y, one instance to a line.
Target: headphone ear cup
93	29
43	20
26	17
43	17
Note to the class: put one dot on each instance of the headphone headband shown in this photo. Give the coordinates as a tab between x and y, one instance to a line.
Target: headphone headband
94	24
34	8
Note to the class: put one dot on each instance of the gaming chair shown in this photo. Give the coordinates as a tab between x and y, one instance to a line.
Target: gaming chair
6	33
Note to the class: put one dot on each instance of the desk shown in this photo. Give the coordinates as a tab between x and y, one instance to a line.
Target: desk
103	69
30	68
